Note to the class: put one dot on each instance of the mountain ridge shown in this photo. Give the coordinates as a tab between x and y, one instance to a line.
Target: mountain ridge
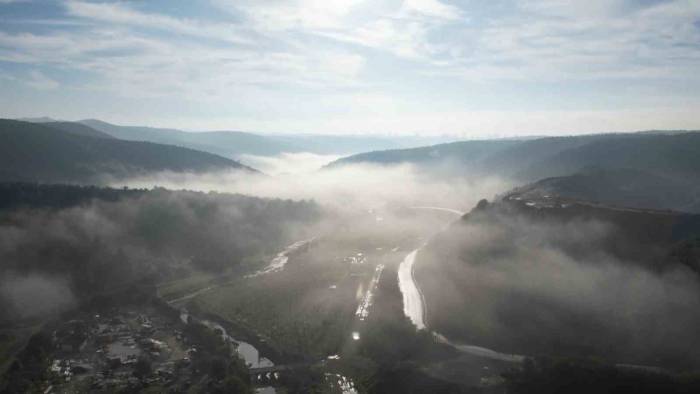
35	152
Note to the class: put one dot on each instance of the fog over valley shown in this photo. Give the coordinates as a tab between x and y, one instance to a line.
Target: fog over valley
448	260
350	197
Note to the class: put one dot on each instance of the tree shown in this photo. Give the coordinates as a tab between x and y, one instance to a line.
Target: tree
143	367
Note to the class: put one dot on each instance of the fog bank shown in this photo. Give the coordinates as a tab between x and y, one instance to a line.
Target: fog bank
530	286
353	186
34	295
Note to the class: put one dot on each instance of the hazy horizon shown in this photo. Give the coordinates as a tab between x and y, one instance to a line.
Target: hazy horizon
427	67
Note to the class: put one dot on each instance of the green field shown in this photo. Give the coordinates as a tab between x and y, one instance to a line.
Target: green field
306	309
180	287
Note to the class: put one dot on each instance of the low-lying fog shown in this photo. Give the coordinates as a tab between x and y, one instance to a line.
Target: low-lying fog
288	163
165	233
508	275
540	286
358	186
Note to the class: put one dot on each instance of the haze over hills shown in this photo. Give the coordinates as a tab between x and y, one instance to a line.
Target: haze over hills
507	156
622	187
76	129
462	153
533	159
548	257
234	144
356	197
561	270
68	152
225	143
671	155
652	169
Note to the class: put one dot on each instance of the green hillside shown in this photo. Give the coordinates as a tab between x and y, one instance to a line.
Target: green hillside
77	129
671	154
35	152
234	144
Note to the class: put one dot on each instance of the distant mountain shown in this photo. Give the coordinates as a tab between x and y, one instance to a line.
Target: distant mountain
673	155
235	144
41	119
76	129
36	152
456	153
356	143
503	156
620	187
231	144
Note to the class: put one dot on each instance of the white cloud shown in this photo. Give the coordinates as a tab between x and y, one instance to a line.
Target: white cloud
345	64
430	8
38	80
297	14
366	65
398	27
130	62
119	14
570	40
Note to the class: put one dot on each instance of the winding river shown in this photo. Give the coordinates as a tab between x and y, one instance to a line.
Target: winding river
278	263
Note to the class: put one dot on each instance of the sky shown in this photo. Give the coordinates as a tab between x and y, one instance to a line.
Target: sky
433	67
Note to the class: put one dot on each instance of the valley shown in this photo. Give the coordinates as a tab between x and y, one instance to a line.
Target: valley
405	280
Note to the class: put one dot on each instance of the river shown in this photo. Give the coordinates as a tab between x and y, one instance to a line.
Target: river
242	349
279	261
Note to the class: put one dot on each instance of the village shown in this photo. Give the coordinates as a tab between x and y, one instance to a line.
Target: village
122	349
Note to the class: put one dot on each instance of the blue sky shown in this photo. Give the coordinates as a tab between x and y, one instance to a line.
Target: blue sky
469	68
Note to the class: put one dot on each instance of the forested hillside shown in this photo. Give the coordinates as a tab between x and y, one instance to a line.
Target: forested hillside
86	240
672	154
36	152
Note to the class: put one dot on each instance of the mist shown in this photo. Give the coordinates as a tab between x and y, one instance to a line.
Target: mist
34	296
532	286
50	257
357	186
288	163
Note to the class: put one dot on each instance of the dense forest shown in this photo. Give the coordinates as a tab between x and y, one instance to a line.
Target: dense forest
623	187
31	152
576	280
67	242
673	155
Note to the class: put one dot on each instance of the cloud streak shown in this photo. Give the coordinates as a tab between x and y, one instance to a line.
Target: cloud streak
260	63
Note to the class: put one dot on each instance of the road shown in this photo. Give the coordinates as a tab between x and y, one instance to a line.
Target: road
414	305
413	302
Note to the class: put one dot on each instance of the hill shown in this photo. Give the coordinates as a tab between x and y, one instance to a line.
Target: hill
234	144
35	152
500	155
563	278
230	144
621	187
670	154
102	238
41	119
76	129
463	153
676	156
